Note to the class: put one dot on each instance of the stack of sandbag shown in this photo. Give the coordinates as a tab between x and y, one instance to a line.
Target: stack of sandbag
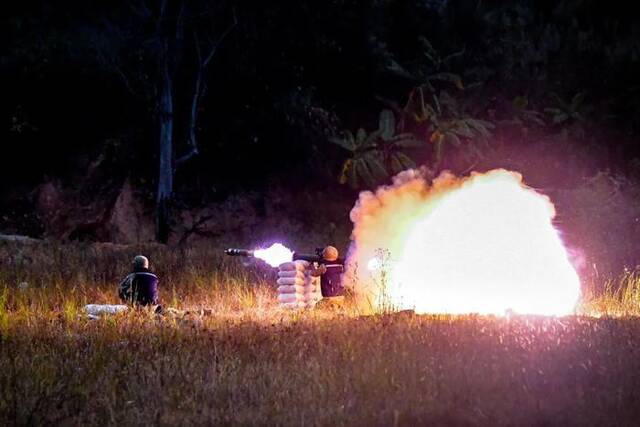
95	311
296	287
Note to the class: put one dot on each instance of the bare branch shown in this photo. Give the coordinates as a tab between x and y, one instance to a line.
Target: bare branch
217	43
110	59
195	101
140	8
125	79
195	228
197	46
163	9
180	22
188	156
199	89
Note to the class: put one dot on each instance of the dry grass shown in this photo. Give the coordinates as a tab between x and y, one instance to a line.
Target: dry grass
250	363
621	297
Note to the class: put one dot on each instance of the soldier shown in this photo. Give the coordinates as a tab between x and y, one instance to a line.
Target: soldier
141	286
330	271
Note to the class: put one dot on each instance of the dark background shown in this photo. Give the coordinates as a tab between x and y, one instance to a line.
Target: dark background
557	84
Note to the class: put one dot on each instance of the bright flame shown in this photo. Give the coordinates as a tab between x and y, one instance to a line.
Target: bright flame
374	264
485	244
274	255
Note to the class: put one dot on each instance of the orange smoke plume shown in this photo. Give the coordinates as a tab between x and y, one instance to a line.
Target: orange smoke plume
481	244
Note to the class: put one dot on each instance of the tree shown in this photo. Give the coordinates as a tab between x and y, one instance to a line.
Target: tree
149	44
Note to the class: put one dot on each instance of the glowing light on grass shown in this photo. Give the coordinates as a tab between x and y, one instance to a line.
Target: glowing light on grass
485	244
274	255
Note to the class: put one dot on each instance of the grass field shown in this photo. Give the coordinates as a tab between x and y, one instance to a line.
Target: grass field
249	363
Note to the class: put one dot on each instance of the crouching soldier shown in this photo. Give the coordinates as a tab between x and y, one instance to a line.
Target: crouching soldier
330	270
141	286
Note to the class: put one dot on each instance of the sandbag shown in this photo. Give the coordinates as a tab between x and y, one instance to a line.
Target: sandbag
291	289
290	281
293	266
99	309
293	281
291	273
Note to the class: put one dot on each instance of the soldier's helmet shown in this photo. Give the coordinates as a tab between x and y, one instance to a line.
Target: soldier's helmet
330	253
140	261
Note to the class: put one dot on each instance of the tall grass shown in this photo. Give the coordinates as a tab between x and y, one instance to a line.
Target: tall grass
621	296
250	363
55	277
4	315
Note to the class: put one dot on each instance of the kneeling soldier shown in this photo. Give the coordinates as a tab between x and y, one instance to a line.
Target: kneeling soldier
330	271
141	286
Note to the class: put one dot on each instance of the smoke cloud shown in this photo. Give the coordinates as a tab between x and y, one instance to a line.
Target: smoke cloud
483	243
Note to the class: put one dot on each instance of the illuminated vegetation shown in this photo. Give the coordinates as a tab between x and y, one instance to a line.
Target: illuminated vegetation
249	363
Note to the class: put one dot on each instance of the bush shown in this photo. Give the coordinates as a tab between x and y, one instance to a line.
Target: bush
602	219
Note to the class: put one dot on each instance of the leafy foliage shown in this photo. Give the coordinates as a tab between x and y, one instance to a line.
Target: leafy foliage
523	115
446	123
431	67
571	114
572	110
437	114
376	155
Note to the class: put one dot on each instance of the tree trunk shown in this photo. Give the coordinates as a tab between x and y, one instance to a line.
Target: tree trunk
165	170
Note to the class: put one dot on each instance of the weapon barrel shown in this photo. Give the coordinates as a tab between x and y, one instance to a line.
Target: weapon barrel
306	257
238	252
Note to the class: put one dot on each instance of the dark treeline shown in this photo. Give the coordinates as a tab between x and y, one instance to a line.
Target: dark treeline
195	100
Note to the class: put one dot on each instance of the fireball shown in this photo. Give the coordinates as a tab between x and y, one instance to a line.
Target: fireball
485	244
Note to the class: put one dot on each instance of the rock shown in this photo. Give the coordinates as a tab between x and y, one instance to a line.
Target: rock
50	203
128	222
113	215
49	198
17	238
